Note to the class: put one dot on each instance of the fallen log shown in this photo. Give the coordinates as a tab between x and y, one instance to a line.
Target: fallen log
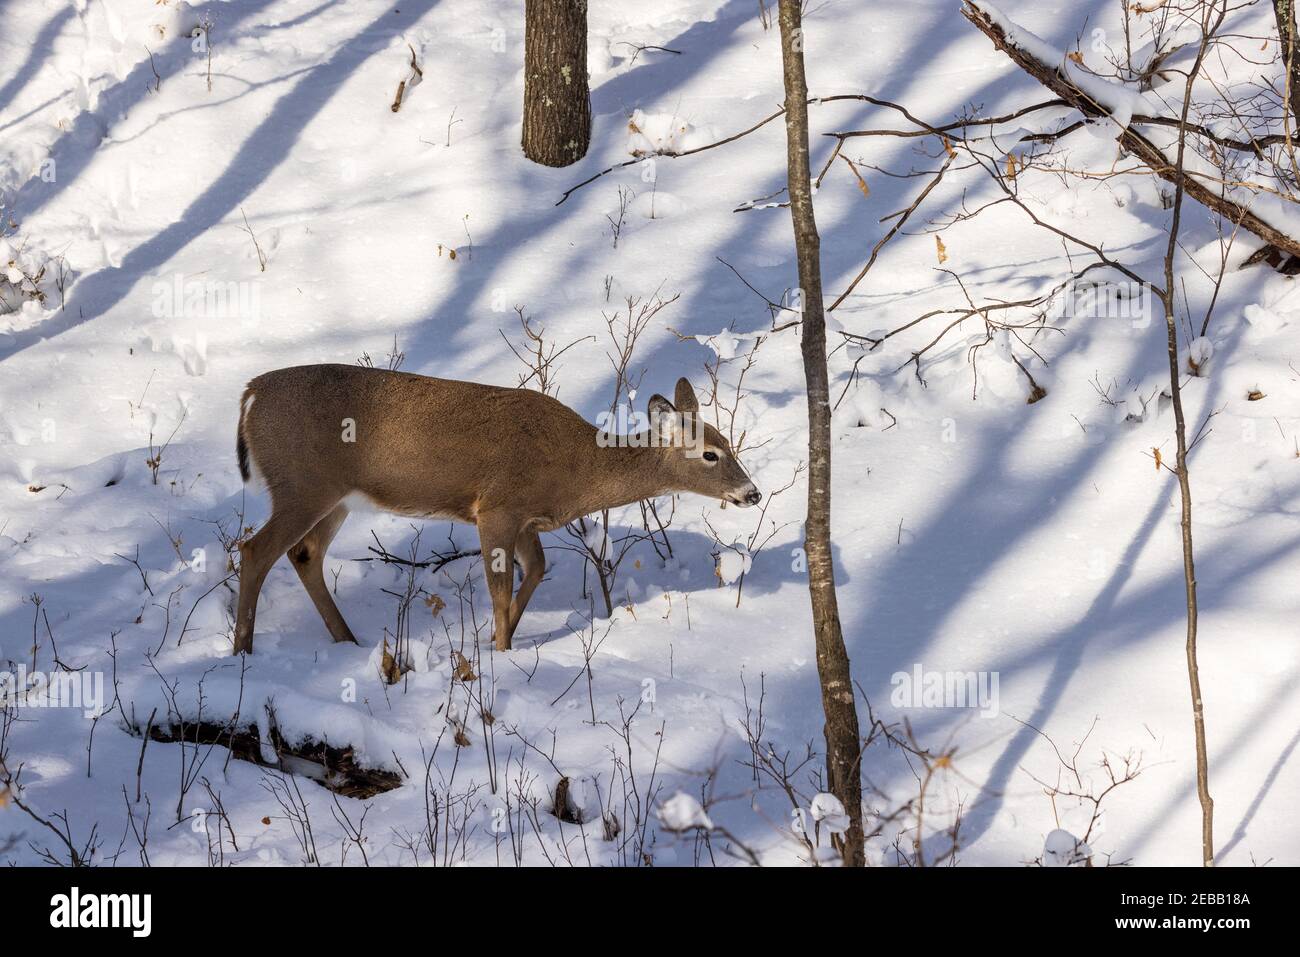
1274	258
1054	79
334	768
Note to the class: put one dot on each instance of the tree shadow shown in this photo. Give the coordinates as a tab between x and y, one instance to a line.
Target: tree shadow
657	77
42	46
259	154
1243	826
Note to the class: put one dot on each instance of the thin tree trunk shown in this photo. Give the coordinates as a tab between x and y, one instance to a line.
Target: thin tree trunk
843	744
1184	479
557	103
1284	12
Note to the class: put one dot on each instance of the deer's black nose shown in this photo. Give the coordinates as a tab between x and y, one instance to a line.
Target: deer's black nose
754	497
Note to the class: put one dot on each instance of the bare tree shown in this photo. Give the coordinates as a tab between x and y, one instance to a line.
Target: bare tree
843	744
1212	16
557	104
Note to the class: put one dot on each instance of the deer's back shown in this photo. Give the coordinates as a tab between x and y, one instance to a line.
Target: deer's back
411	443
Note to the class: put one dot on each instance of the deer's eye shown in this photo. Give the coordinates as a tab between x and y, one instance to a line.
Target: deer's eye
710	456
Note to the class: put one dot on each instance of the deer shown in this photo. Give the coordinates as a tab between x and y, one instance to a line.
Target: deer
327	439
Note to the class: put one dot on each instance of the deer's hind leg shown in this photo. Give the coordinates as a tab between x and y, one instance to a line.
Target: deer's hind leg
528	547
287	524
308	558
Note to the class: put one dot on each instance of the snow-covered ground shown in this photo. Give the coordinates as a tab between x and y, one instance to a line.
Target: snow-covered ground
1037	543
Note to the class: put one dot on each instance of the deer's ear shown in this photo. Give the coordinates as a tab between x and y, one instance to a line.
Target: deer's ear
663	417
658	406
684	397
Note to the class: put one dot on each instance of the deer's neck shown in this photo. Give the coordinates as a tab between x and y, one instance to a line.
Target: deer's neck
628	472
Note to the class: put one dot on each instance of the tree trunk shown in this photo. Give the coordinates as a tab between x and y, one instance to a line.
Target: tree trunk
1184	479
1284	12
557	104
843	744
1189	573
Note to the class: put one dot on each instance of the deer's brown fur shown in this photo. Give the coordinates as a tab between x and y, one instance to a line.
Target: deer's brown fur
512	461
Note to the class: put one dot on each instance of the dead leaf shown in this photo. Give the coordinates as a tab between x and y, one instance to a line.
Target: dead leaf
941	249
862	183
1011	166
266	821
1159	460
1254	395
388	667
435	604
464	670
1076	56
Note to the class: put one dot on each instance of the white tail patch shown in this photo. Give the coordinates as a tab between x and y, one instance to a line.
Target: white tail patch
255	477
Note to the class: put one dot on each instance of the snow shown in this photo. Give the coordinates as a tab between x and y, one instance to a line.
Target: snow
681	812
828	811
1199	352
1272	315
734	561
727	344
650	133
973	532
594	536
1063	849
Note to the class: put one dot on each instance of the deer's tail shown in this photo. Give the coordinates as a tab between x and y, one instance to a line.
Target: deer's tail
241	443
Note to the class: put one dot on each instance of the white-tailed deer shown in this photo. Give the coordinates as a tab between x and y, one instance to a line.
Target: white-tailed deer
511	461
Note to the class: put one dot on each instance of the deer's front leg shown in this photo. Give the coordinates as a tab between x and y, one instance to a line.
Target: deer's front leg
497	534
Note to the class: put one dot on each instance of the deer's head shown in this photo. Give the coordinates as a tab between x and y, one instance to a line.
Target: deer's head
696	456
